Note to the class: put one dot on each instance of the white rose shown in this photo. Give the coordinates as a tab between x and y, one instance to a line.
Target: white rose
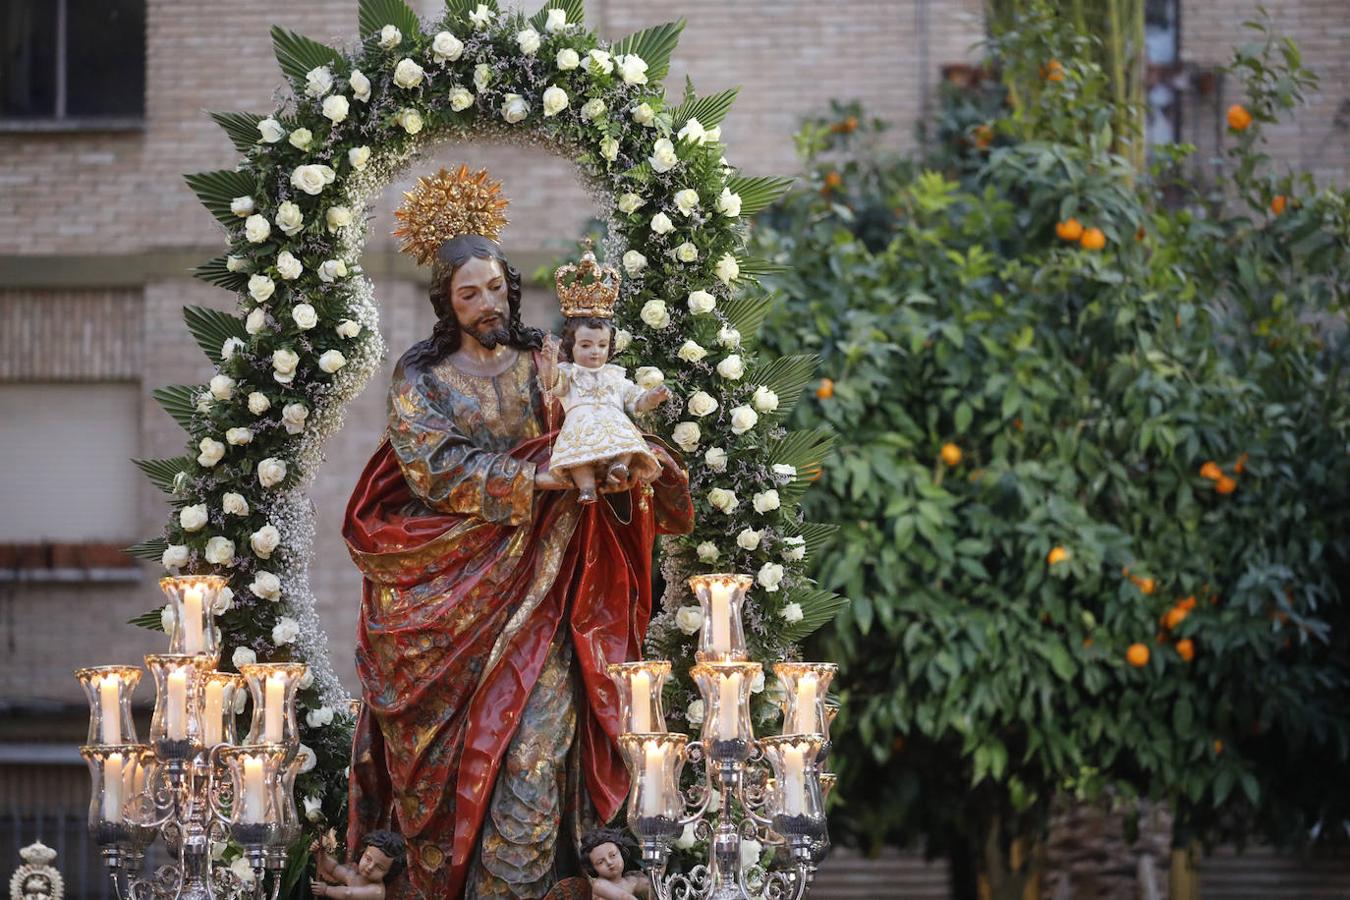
729	337
261	288
727	269
204	402
460	99
686	252
749	539
193	518
593	109
784	472
765	400
271	472
713	135
792	612
331	270
242	207
686	436
481	16
238	437
555	100
689	619
256	229
304	315
348	329
622	339
301	138
360	86
283	365
358	157
258	403
648	377
693	131
308	758
663	158
514	108
707	552
694	712
599	62
175	556
266	586
701	303
242	869
288	267
770	576
255	321
310	178
750	852
634	262
686	201
482	76
222	387
293	416
766	501
285	631
445	47
338	217
336	108
236	264
271	131
644	115
794	548
234	504
722	500
243	656
264	541
631	203
212	451
223	603
661	224
331	361
757	683
408	74
716	458
691	351
688	837
743	418
313	809
219	551
557	20
567	59
632	68
729	204
390	37
654	312
609	148
410	120
528	41
318	718
318	81
306	680
731	368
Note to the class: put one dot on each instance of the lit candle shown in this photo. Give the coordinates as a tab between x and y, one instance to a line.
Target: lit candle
176	711
729	706
109	691
193	639
653	782
807	723
642	703
274	704
794	781
211	718
721	616
253	790
112	788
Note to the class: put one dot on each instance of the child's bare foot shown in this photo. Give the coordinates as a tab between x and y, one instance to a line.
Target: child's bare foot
618	473
587	495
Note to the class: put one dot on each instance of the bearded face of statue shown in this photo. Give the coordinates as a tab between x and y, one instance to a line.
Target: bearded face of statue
479	302
37	887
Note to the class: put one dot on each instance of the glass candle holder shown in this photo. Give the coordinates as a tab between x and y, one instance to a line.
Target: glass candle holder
725	686
640	685
285	801
219	693
805	686
796	805
827	783
176	726
109	689
722	637
119	775
655	803
255	774
272	687
193	598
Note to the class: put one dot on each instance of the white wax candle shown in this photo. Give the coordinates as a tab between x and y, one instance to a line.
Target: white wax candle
175	724
112	788
253	790
729	707
194	641
794	781
642	703
721	617
653	782
211	714
110	728
274	705
807	722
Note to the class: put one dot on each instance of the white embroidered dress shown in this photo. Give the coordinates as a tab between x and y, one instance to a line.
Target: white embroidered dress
597	403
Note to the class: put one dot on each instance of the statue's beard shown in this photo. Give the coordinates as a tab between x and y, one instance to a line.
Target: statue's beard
490	336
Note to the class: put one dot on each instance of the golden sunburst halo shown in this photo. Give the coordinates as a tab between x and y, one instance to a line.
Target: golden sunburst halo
445	206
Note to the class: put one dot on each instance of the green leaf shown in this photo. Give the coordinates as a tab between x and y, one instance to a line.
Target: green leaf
151	619
211	328
818	608
216	271
242	128
162	472
152	549
575	9
747	314
375	14
759	192
709	111
180	402
216	189
787	377
753	267
297	54
1059	660
458	10
655	45
817	536
800	449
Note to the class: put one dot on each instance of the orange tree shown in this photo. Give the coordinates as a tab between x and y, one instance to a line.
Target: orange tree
1091	495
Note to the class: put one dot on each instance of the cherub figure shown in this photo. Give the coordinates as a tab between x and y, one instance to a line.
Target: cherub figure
610	858
382	856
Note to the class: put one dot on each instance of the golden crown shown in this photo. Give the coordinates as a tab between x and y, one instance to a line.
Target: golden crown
587	288
445	206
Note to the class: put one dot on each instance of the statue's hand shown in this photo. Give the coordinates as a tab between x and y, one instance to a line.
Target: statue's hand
548	480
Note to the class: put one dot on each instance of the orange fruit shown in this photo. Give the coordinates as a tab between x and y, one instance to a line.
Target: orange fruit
1241	465
1137	655
1238	117
1069	230
826	389
898	745
1092	239
1140	233
1218	746
951	454
1174	617
1188	604
1278	204
844	126
1056	555
1186	649
1054	70
833	180
984	136
1147	585
1226	485
1211	470
1087	642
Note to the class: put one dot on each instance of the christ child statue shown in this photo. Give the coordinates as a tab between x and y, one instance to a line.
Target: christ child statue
610	859
383	855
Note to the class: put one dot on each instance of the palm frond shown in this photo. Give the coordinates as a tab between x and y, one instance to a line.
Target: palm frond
216	271
211	328
297	54
216	189
758	193
709	110
786	377
162	472
179	401
818	608
241	127
655	45
575	9
152	549
373	15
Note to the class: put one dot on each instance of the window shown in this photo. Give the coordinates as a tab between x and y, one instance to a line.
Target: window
72	63
1162	39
